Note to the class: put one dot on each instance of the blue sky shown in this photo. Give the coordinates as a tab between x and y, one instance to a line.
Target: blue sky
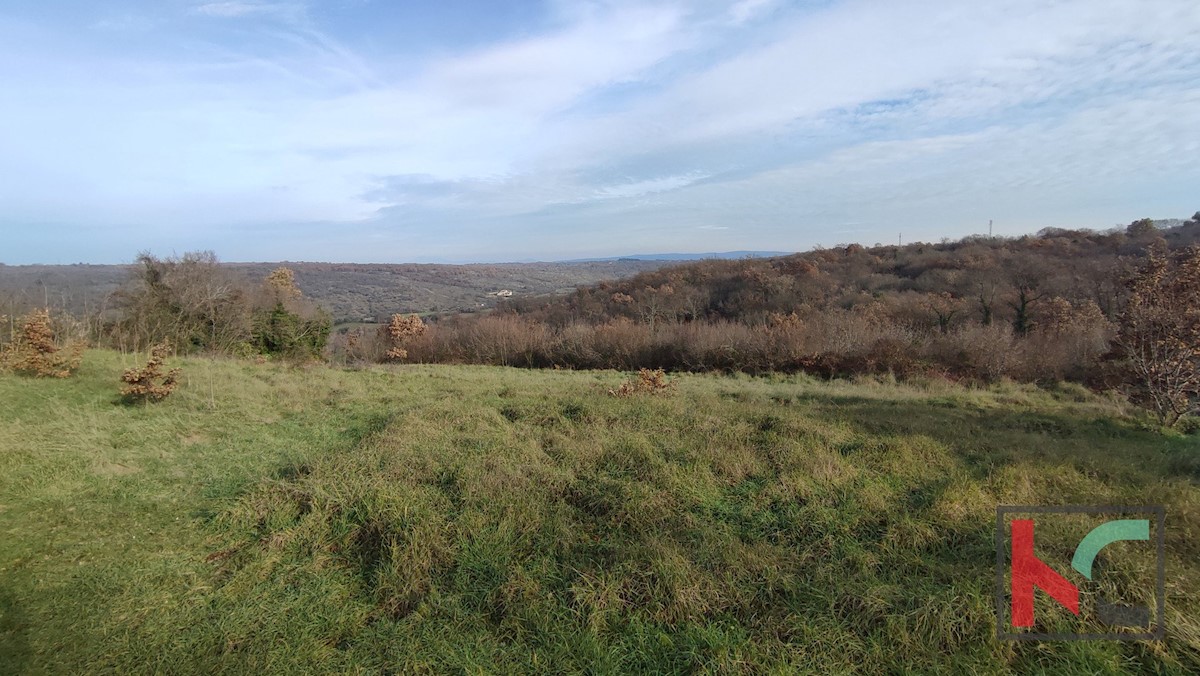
360	130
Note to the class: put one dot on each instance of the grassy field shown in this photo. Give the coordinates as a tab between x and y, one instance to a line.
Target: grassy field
279	519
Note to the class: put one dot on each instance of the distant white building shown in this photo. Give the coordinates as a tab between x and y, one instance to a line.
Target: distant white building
502	293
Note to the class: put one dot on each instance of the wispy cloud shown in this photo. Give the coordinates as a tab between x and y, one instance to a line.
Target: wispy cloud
602	124
648	186
744	10
239	9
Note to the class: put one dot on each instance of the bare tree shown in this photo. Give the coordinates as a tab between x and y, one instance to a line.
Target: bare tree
1159	334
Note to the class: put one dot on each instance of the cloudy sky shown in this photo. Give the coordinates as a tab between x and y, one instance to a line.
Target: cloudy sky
476	130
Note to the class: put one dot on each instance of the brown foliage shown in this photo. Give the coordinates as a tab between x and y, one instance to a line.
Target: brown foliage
35	352
645	382
282	282
777	321
399	330
985	308
1068	342
1159	335
149	383
507	340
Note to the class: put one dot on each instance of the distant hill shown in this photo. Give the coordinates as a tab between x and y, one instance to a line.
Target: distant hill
350	291
978	274
724	255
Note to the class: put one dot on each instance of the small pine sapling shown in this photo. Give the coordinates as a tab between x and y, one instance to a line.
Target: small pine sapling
149	383
35	352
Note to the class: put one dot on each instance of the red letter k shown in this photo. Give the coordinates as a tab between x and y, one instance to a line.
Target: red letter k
1028	570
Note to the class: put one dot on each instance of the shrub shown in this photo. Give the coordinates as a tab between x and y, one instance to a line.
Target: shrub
399	330
705	346
195	304
621	344
575	345
645	382
1159	335
35	351
286	323
1067	342
149	383
355	346
507	340
191	302
282	283
985	352
280	331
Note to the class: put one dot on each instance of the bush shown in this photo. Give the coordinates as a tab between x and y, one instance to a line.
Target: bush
1067	342
621	344
285	333
35	351
192	303
398	331
983	352
645	382
1158	335
149	383
507	340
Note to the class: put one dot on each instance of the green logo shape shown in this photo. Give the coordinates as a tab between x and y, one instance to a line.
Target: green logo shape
1103	535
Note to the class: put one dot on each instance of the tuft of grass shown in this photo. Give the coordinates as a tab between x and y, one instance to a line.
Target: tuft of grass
489	520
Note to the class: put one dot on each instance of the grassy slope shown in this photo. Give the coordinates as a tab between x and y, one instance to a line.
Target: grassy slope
492	520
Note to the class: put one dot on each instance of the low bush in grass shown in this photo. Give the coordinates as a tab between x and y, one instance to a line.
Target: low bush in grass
149	382
38	349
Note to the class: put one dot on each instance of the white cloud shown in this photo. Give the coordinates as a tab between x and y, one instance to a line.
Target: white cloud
649	186
236	9
983	57
744	10
651	120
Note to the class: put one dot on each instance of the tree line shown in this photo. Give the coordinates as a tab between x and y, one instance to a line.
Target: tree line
191	304
1118	309
1110	310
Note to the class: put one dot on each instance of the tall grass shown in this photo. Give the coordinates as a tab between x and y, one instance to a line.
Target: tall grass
493	520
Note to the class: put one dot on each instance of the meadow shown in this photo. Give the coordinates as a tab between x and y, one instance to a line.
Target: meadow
274	518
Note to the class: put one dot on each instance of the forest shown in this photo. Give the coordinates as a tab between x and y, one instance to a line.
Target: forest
1059	305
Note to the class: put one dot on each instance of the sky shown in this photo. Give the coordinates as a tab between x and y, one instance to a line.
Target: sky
478	131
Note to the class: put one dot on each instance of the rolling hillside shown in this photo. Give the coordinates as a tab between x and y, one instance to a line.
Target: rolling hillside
421	519
349	291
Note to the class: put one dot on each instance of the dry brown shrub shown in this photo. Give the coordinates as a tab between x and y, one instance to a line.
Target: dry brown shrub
1055	316
622	344
645	382
401	328
707	346
149	383
575	346
442	343
1068	342
777	321
508	340
984	352
282	281
35	352
1159	335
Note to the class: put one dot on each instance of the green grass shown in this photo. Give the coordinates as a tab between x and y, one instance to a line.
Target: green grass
483	520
